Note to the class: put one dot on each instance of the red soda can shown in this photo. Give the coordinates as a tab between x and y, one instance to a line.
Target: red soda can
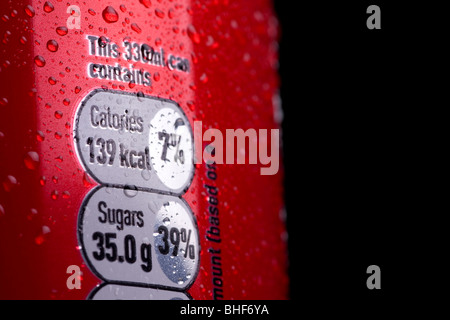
139	151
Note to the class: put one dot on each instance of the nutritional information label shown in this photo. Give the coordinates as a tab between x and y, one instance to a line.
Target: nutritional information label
135	230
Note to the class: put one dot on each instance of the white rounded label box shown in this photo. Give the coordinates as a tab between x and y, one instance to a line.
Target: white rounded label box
134	237
119	292
130	139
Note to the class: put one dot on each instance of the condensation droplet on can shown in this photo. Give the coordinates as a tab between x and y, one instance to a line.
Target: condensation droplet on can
29	10
136	28
130	191
48	7
45	229
52	80
52	45
159	13
193	34
110	15
54	194
31	160
145	174
9	183
58	114
3	102
102	41
62	31
39	61
146	3
87	181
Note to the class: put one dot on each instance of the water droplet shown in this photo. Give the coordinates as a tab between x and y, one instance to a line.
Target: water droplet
152	207
39	61
2	210
130	191
29	10
45	229
52	80
3	102
146	3
136	28
33	212
62	31
31	160
52	45
66	195
192	33
77	89
204	78
102	41
39	239
91	12
171	13
48	7
23	40
156	76
87	182
54	195
58	114
40	136
140	95
123	8
166	221
58	135
191	105
180	281
66	101
42	181
9	183
110	15
145	174
159	13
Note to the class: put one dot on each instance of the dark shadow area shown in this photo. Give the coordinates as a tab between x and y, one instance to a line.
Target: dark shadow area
348	145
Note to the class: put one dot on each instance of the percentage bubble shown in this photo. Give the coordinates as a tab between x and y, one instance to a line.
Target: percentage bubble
171	147
176	236
176	243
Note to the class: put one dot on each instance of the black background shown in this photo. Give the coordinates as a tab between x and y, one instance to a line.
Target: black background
356	105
